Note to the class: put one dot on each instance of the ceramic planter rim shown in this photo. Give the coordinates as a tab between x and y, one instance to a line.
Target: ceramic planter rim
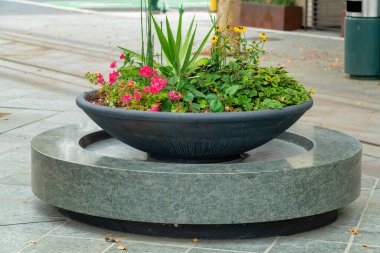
190	117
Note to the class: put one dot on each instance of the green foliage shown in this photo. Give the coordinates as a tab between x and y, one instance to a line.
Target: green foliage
277	2
251	88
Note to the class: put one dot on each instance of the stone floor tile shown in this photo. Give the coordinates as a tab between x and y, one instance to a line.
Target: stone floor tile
331	233
147	248
17	178
362	249
201	250
35	128
350	214
368	183
15	237
20	154
8	168
307	246
82	230
371	237
371	221
250	245
43	104
51	244
30	210
10	141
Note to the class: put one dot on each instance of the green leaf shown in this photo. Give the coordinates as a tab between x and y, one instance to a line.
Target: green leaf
233	89
172	47
195	107
216	106
163	41
186	42
173	80
203	103
211	97
188	97
198	93
201	61
196	54
166	105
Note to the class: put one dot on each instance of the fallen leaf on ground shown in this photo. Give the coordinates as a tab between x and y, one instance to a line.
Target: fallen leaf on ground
365	245
354	230
121	248
194	240
109	238
32	242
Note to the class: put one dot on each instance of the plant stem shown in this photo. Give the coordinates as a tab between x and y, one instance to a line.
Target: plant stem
150	49
142	32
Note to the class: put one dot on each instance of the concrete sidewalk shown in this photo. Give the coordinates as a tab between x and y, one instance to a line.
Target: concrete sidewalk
42	64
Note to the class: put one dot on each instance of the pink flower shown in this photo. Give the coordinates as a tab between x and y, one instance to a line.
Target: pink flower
147	89
158	82
146	71
113	65
154	109
131	83
113	76
174	96
138	96
126	98
135	91
122	56
100	79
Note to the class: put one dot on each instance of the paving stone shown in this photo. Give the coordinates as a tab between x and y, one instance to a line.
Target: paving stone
331	233
66	245
8	168
201	250
371	237
15	237
21	154
250	245
146	248
307	246
362	249
18	178
368	183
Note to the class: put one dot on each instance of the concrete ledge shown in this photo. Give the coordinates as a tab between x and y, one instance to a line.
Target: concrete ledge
323	177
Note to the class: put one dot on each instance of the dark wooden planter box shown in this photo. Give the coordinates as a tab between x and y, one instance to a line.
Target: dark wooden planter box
271	16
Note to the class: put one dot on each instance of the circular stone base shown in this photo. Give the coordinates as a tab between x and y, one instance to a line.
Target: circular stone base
304	172
229	231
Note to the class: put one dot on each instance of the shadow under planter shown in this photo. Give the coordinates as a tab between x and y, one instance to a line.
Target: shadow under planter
270	16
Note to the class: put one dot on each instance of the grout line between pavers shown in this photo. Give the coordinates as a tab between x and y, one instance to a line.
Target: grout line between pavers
29	123
43	236
350	242
369	245
190	248
108	247
225	250
267	250
34	222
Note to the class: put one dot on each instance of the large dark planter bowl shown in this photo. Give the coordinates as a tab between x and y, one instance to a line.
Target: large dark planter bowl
193	137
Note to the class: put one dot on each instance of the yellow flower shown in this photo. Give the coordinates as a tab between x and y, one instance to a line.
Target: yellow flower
264	40
228	28
263	36
238	40
219	29
249	49
214	39
240	29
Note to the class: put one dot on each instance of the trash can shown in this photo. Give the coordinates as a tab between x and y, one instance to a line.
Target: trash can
362	38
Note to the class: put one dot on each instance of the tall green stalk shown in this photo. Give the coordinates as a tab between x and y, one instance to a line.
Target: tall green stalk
149	46
142	33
